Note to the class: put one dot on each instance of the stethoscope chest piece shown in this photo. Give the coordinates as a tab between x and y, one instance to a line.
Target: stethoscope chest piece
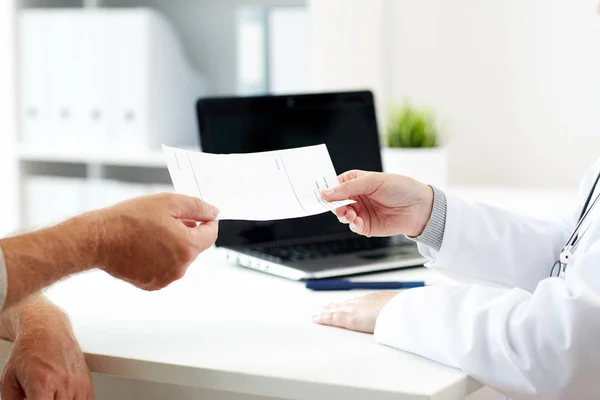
565	256
567	252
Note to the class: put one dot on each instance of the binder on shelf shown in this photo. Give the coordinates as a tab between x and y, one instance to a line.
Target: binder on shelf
51	199
154	189
92	50
289	50
129	119
59	67
252	50
35	104
117	78
130	190
273	50
101	193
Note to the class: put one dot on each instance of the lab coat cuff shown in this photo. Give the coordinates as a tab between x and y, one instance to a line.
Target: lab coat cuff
433	234
451	237
389	324
409	308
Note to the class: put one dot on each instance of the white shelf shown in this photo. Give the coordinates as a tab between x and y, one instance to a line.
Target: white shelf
132	158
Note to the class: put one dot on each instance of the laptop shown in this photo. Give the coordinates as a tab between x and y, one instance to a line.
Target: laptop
315	247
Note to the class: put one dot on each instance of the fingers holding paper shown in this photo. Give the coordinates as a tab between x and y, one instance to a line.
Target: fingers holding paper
200	217
192	209
350	216
386	204
205	235
151	241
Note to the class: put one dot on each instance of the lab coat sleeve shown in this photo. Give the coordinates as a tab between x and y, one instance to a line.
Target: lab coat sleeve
485	243
540	345
492	244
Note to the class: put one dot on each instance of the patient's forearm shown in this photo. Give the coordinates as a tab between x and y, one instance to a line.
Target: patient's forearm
35	312
38	259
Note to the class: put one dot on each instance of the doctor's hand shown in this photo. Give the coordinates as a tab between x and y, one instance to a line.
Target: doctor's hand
359	314
386	204
150	241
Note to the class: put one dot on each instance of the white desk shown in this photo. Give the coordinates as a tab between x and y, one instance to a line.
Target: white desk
224	332
224	328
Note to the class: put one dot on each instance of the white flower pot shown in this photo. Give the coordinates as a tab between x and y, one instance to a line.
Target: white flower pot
429	166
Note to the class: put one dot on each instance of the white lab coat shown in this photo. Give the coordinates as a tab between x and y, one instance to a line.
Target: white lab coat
527	335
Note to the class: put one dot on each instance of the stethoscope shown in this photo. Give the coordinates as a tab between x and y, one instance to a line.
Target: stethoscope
560	267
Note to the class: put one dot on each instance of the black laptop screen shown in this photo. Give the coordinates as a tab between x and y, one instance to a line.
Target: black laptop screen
345	122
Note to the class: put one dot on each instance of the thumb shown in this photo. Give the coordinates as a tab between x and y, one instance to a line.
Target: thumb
194	209
356	187
10	389
205	234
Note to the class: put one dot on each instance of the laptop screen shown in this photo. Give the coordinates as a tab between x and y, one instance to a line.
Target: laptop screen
345	122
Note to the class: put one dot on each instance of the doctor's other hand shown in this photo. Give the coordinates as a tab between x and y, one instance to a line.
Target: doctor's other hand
150	241
358	314
386	204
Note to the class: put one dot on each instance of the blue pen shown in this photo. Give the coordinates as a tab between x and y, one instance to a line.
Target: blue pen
341	284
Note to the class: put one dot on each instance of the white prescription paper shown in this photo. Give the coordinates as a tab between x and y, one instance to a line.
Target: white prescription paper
265	186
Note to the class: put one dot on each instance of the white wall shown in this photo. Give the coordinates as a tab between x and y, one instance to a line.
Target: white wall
516	83
8	186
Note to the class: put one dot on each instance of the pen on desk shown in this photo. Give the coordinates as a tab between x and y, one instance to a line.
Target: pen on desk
341	284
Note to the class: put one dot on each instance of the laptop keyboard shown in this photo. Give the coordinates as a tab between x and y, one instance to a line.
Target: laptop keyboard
312	251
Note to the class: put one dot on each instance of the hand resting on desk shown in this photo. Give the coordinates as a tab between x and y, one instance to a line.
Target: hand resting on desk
358	314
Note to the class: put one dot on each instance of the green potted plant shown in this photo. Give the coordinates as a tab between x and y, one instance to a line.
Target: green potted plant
413	146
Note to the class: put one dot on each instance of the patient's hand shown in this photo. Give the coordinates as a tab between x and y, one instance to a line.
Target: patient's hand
150	241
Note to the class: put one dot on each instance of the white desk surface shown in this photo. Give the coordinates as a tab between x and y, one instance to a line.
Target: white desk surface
227	328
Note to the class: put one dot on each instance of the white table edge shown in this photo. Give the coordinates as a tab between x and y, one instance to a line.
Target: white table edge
250	384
